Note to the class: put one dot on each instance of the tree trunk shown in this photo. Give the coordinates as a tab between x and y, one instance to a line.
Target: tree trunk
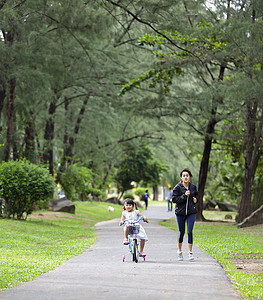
10	118
210	130
253	153
204	167
155	192
2	100
254	219
105	177
30	140
49	137
69	146
63	165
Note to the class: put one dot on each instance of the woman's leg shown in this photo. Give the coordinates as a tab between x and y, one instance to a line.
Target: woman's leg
181	227
146	203
190	225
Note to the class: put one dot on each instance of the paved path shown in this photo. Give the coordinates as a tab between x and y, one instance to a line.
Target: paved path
99	272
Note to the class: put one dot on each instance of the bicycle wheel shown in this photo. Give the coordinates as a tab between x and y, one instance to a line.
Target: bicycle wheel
135	252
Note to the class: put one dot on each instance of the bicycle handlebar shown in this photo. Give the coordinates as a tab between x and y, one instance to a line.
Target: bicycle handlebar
134	222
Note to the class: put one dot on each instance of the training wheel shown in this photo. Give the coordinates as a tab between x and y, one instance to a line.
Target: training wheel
123	258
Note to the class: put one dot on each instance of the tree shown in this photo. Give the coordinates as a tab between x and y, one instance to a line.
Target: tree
205	47
139	165
77	183
177	53
245	21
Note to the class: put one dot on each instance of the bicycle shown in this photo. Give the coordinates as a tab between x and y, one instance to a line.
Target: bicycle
133	228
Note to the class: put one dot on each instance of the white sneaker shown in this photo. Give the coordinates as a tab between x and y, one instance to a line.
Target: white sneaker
190	256
180	255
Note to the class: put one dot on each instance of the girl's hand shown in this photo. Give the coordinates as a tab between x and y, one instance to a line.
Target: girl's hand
187	193
194	199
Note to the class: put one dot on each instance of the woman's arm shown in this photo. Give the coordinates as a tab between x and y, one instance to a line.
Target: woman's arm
178	196
195	194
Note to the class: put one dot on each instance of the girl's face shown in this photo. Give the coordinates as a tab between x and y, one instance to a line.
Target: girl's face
185	177
129	207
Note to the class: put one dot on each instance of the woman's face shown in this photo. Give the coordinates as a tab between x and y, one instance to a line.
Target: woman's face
185	177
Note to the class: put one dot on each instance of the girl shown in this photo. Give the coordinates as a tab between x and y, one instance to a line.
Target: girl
133	215
185	197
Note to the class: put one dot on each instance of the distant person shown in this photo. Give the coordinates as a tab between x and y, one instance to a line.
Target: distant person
145	198
185	197
169	199
131	214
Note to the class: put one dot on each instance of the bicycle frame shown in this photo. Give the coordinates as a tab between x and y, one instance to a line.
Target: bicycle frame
133	229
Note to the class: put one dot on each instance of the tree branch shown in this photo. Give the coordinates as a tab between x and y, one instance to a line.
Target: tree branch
2	3
73	35
123	140
190	125
153	28
19	4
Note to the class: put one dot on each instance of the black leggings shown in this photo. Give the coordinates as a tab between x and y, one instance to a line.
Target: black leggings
190	220
146	202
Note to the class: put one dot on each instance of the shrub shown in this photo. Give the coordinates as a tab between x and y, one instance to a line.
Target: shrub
77	183
23	184
140	191
128	195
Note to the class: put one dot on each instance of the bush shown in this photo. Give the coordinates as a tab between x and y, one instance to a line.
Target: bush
140	191
22	185
77	183
128	195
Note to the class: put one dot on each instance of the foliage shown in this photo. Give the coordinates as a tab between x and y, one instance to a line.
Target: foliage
220	52
140	191
128	195
38	245
68	98
225	177
139	165
177	80
23	184
77	182
233	243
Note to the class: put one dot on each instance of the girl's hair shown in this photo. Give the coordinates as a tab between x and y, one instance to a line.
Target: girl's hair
186	170
130	201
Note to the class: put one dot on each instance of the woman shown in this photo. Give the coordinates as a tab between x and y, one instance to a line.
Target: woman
185	197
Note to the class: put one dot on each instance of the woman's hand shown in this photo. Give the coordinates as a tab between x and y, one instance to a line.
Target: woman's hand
194	199
187	193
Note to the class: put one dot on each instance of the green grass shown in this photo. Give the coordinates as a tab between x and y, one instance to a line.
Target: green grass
32	247
219	215
225	241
